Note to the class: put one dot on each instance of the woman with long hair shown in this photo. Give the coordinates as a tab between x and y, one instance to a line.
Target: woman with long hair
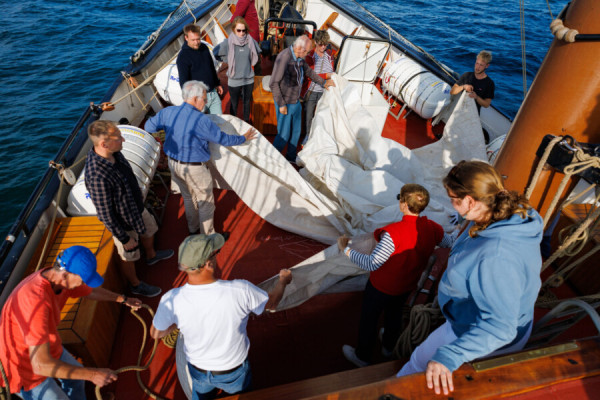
488	292
241	52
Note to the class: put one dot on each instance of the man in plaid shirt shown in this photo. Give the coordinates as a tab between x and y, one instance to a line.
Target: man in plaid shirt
118	200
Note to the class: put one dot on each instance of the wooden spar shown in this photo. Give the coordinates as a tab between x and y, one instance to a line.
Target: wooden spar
563	100
500	381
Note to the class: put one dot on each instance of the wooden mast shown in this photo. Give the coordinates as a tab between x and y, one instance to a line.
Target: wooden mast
564	99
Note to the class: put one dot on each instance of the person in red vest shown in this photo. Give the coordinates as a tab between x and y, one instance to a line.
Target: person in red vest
396	264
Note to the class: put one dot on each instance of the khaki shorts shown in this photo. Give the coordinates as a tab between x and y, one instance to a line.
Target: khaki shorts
151	229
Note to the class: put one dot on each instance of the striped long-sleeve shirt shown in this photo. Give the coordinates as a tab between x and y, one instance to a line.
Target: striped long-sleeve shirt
384	249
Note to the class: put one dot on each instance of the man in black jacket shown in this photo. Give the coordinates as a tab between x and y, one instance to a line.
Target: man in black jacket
194	63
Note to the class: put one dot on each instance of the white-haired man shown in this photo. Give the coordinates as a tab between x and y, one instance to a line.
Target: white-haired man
188	133
212	315
288	74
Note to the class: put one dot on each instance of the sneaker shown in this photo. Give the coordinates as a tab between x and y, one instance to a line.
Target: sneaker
160	255
143	289
350	354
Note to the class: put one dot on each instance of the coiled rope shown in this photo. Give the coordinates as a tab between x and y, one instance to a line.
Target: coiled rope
561	32
138	368
423	319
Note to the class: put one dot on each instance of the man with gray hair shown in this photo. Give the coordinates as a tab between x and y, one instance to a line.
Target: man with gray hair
188	133
212	315
288	74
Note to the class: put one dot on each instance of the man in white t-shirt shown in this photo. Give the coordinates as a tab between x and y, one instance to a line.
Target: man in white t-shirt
212	315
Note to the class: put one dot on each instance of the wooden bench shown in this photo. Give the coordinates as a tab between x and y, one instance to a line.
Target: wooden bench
87	327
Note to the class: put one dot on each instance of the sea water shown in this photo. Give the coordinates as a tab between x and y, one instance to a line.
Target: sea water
57	56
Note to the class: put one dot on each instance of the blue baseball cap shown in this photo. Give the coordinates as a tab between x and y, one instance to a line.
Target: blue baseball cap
81	261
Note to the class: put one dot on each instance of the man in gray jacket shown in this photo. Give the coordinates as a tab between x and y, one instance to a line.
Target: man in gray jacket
288	74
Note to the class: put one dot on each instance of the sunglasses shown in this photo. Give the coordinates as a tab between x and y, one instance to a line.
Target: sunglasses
241	30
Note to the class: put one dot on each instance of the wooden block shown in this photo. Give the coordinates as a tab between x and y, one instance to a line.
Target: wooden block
264	117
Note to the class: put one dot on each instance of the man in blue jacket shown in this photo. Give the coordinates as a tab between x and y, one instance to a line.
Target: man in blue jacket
188	133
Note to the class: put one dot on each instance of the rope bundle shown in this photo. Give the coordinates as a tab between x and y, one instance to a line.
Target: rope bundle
561	32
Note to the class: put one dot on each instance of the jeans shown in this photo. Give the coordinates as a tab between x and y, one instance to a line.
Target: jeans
374	303
246	93
213	103
312	99
288	124
69	389
440	337
204	384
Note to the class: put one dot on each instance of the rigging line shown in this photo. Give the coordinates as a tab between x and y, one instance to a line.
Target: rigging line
549	10
523	51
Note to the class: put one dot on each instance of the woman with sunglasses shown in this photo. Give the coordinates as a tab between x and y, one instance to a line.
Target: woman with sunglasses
241	52
488	292
321	60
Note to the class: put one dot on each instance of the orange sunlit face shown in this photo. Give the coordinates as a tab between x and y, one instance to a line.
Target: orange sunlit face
480	66
114	141
240	30
193	40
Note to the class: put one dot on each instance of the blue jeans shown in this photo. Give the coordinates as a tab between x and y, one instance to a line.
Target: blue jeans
204	384
69	389
291	123
213	103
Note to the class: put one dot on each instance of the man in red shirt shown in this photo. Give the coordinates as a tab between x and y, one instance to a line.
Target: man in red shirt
30	347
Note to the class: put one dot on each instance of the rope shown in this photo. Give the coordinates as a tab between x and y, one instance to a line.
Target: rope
60	168
423	319
547	299
540	166
7	395
561	32
523	51
138	368
171	339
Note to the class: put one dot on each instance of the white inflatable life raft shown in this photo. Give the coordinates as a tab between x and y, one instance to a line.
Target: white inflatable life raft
143	153
167	80
415	86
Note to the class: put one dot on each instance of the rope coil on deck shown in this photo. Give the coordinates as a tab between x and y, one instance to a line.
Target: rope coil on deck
424	318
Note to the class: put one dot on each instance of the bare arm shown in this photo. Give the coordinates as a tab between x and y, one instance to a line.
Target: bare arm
45	365
482	102
275	295
156	334
101	294
456	88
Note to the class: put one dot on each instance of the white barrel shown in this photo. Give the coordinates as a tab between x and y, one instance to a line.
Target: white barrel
415	86
167	80
143	153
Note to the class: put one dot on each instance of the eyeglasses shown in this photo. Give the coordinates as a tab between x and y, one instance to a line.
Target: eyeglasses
241	30
322	44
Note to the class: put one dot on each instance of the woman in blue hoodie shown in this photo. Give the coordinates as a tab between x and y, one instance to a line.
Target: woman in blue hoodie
489	289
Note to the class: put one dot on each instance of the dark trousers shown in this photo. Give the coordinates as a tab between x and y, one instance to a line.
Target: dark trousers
245	91
374	303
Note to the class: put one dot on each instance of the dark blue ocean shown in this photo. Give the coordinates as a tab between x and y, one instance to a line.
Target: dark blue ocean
58	55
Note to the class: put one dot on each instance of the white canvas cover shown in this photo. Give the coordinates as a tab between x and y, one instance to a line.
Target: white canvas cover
349	182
